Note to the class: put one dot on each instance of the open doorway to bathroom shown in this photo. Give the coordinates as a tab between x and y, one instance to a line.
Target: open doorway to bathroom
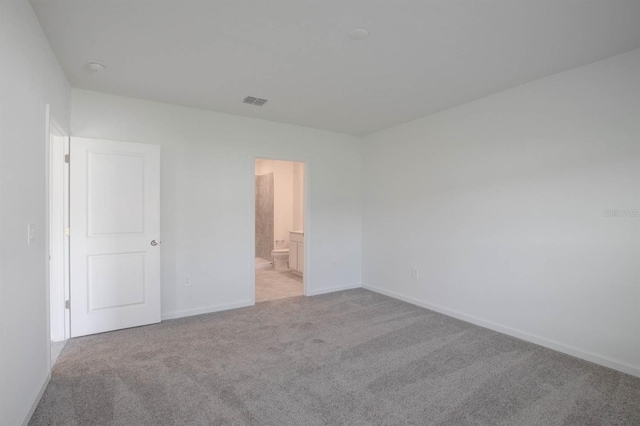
279	229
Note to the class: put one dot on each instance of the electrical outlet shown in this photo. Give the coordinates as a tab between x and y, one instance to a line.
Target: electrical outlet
414	273
186	280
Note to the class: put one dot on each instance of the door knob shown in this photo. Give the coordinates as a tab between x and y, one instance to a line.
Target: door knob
154	243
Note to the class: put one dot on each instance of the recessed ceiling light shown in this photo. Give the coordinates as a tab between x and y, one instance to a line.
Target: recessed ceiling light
95	66
359	34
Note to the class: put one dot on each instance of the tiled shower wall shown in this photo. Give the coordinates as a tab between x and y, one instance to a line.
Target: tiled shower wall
264	216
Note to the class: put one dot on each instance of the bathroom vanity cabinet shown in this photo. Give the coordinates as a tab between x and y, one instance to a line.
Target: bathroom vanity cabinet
296	252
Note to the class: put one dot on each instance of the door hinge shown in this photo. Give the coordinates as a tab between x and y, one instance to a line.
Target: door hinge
67	304
67	232
67	158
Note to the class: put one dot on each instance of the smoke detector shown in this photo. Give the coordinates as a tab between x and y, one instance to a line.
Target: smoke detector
359	34
252	100
95	66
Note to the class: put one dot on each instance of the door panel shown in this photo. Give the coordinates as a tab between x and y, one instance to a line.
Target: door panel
115	185
115	280
115	214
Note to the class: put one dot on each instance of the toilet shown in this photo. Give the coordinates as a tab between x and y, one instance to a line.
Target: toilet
280	259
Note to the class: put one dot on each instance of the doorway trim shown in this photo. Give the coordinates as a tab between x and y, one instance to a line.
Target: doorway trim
306	281
54	129
58	242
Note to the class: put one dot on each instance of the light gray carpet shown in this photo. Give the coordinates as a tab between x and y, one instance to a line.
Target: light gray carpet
348	358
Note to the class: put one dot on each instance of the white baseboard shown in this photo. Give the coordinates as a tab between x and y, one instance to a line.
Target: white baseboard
204	310
36	400
333	289
547	343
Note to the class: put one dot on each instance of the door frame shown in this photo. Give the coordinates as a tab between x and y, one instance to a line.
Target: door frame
306	281
54	129
58	241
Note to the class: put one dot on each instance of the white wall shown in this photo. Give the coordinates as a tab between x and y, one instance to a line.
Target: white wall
206	202
501	204
30	77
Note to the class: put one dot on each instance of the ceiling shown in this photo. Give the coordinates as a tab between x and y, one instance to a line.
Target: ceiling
420	57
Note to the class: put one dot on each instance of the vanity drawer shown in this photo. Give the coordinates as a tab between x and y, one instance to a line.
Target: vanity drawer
296	237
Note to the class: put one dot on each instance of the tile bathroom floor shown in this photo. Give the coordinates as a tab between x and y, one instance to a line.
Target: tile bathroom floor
273	285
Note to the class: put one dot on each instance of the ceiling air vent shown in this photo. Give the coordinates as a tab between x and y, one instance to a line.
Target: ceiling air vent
254	101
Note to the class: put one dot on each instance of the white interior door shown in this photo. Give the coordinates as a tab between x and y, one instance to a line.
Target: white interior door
114	236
